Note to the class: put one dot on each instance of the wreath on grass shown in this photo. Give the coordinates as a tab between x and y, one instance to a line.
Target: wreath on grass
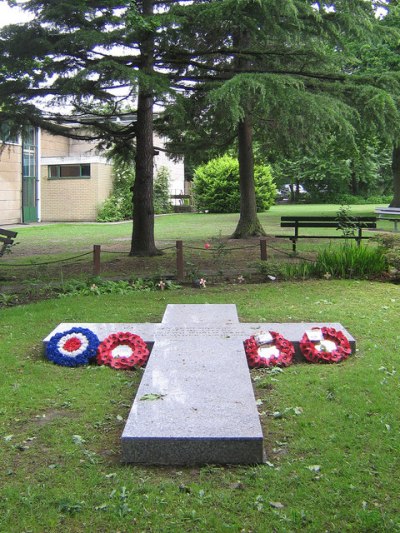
268	350
73	347
325	346
122	350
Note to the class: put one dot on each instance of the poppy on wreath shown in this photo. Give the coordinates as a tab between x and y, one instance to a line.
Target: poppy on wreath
123	350
268	350
325	345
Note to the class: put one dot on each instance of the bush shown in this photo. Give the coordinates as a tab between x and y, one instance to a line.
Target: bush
118	205
389	243
216	186
161	201
349	199
112	210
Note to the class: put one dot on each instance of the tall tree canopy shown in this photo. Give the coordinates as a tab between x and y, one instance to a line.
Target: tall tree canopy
281	71
90	64
284	72
383	62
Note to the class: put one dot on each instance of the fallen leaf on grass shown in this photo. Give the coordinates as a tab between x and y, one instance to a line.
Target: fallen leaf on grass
77	439
276	505
152	396
237	486
314	468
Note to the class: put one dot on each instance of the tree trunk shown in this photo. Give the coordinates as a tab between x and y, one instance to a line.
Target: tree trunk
354	183
248	224
396	176
143	211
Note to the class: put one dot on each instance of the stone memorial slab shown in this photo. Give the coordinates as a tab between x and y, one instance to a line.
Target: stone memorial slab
195	403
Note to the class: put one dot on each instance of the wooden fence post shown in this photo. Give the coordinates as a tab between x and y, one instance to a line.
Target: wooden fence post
263	249
180	275
96	259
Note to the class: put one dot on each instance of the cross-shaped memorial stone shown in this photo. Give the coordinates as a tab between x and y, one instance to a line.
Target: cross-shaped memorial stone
195	403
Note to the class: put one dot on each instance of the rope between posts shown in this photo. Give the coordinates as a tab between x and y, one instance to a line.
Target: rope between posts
113	251
45	262
211	249
289	254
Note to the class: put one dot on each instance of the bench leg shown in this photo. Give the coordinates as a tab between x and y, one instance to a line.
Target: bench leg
358	239
294	241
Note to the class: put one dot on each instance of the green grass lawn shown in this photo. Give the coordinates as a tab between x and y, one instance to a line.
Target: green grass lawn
187	226
56	252
332	467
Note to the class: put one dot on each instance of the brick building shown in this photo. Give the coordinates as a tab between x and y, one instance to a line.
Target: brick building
48	178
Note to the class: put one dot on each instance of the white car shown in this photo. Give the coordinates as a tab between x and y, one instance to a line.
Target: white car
285	190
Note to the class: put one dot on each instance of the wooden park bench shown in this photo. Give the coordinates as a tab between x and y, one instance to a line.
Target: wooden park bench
6	239
389	213
354	228
184	204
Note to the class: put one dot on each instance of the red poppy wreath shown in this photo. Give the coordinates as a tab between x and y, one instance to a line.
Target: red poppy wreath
268	350
122	350
325	345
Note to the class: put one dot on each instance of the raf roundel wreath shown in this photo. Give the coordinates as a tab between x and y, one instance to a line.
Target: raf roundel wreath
73	347
122	350
268	350
332	347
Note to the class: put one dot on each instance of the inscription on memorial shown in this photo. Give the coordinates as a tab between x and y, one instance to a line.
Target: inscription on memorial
176	332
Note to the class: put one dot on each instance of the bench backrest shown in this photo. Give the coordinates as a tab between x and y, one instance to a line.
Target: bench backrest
326	222
388	210
6	238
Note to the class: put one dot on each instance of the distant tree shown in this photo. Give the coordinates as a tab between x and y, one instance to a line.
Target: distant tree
381	61
335	167
162	202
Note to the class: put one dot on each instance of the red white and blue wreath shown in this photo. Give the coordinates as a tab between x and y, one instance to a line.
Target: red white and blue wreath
73	347
325	345
122	350
268	350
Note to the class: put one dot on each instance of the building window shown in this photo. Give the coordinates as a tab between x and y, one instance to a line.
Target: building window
60	172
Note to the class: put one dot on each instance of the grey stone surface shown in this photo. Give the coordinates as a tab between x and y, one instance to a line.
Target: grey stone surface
195	403
200	314
241	331
205	410
145	330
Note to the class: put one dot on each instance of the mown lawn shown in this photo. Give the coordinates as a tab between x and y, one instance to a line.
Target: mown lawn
188	227
57	252
334	466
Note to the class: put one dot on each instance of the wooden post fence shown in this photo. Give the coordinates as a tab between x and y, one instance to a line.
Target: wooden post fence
180	274
96	259
263	249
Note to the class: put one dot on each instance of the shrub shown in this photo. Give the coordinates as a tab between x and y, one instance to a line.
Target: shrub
118	205
389	243
349	199
216	186
161	201
112	210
